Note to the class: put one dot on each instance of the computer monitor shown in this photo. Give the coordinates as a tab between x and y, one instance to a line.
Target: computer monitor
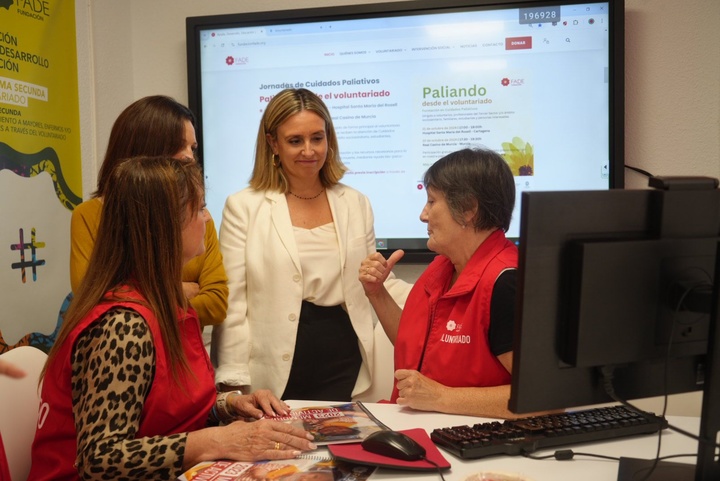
621	282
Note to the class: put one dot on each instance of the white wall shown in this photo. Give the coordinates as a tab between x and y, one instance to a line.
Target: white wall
137	47
134	48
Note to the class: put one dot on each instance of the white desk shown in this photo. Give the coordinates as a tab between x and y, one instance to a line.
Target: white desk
580	468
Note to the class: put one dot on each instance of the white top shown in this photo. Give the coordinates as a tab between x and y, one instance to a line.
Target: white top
320	263
255	344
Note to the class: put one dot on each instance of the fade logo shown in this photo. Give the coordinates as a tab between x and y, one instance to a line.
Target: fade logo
230	60
516	82
36	9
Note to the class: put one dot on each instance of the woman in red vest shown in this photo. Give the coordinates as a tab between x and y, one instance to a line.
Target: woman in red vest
128	389
453	339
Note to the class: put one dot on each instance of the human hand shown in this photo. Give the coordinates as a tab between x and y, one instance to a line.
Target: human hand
11	370
264	439
258	404
375	269
190	289
417	391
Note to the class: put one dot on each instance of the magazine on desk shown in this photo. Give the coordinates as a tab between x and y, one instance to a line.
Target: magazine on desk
302	468
337	423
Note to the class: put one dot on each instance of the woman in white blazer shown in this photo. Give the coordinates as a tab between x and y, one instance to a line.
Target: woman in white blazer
298	320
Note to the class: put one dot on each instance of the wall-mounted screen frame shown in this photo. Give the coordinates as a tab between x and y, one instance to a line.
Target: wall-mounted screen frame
407	82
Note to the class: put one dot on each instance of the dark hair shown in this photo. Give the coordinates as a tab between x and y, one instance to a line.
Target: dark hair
288	102
151	126
471	178
139	245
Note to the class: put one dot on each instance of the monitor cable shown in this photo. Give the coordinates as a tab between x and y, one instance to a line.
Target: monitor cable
641	171
569	454
607	373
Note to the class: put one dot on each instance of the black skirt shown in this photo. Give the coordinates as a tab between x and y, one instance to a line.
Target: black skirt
327	356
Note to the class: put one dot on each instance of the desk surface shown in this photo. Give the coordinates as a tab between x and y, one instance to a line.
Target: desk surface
581	467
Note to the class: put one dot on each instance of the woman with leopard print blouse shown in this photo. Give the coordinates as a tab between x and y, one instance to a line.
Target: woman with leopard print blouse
128	389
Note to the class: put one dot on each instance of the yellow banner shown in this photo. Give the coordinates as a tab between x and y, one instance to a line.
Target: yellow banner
40	165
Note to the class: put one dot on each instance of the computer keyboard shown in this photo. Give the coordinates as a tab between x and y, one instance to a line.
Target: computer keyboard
525	435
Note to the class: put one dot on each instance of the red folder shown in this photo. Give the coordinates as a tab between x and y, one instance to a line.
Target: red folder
355	453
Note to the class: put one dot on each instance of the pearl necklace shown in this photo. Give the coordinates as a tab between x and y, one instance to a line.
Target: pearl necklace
306	198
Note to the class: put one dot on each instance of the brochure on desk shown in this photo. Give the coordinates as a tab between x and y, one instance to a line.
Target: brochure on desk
338	423
304	467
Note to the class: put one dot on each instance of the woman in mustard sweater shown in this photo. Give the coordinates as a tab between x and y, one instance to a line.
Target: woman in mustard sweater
151	126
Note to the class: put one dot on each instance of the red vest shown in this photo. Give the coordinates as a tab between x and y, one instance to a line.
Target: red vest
444	333
4	468
168	408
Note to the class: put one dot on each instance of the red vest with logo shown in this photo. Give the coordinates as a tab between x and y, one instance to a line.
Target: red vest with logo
168	408
443	332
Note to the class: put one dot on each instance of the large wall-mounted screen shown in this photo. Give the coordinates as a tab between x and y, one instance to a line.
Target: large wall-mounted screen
408	82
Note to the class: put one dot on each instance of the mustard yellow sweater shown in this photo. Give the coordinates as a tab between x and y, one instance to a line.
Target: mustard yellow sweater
207	270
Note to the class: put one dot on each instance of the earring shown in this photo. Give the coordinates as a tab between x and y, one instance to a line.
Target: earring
275	160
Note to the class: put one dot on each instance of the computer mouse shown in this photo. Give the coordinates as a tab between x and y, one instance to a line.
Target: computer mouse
394	444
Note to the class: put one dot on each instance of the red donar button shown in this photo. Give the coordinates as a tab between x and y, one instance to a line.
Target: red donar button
518	43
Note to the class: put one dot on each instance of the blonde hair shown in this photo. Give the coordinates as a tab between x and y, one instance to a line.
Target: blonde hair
266	174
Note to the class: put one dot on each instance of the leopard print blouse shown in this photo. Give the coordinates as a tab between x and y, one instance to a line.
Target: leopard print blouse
113	366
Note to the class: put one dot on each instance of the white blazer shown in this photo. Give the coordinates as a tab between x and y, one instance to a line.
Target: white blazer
255	344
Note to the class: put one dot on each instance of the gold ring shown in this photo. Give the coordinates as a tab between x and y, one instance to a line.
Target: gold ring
277	445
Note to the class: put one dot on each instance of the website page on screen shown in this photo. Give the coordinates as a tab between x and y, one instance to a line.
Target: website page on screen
531	84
